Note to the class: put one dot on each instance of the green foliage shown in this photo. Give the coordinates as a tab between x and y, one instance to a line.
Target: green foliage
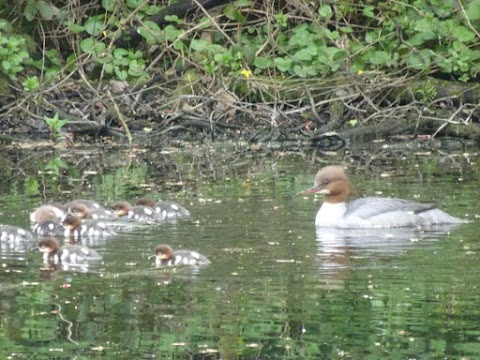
427	94
125	64
413	36
30	84
13	51
56	124
55	165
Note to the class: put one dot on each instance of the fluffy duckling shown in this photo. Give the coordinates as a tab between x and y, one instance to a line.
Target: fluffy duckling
76	228
165	256
68	254
91	205
82	211
140	213
167	210
49	212
48	228
13	234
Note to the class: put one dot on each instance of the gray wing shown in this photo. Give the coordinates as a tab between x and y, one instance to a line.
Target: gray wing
372	206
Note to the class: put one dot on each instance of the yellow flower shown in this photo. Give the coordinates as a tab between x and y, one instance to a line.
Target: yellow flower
360	72
246	73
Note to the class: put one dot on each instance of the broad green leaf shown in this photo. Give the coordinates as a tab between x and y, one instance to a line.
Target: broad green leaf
173	19
325	11
133	4
75	28
232	13
109	5
47	11
368	11
283	64
379	58
370	37
473	10
94	26
30	11
92	46
199	45
172	33
262	62
463	34
243	3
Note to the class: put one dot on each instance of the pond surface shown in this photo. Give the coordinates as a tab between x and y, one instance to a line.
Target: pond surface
275	288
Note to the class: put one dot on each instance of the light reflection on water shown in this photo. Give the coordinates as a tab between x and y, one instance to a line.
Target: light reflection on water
275	288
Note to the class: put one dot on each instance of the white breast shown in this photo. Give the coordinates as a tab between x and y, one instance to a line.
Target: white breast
330	214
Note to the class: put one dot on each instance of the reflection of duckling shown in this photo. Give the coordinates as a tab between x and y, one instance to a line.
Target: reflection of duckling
165	256
68	254
167	210
84	212
140	212
76	228
47	213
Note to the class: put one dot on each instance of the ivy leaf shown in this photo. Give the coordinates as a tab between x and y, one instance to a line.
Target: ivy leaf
262	62
150	32
379	58
109	5
325	11
173	19
133	4
30	11
199	45
243	3
232	13
94	26
75	28
92	46
283	64
47	11
368	11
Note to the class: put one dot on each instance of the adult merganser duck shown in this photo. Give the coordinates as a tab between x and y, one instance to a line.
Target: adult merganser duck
68	254
165	256
167	210
369	212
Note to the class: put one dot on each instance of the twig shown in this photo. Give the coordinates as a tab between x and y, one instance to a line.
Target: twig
69	326
121	119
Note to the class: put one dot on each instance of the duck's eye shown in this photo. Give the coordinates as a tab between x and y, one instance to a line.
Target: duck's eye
325	181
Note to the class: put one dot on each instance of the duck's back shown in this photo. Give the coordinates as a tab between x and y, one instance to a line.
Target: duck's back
391	212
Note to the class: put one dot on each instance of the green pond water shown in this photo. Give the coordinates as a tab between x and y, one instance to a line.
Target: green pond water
276	289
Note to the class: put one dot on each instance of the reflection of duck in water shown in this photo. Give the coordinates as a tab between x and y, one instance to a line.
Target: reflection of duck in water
369	212
68	254
165	256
